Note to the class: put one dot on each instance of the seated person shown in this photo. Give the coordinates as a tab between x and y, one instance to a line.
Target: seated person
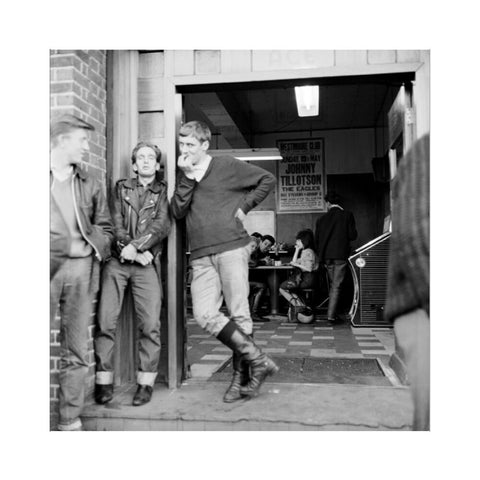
305	261
259	255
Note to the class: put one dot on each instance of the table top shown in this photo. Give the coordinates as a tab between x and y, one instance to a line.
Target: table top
272	267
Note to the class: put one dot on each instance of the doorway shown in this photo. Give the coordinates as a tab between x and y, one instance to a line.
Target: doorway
353	123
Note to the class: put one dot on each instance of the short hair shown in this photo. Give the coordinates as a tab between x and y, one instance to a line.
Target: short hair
196	129
268	237
67	123
254	239
332	197
306	237
140	145
256	234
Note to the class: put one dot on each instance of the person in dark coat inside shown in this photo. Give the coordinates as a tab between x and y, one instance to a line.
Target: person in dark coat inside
333	233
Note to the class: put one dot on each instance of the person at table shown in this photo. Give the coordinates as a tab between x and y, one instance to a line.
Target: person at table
261	255
256	280
305	262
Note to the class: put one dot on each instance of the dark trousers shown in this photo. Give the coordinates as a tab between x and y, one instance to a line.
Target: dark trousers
257	289
336	273
71	289
147	299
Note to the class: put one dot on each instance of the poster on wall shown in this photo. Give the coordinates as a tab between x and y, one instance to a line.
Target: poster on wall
301	177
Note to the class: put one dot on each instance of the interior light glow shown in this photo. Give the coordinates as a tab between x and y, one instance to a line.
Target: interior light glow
307	100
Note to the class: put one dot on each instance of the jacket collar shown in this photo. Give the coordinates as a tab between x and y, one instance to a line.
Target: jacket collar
132	183
335	205
80	172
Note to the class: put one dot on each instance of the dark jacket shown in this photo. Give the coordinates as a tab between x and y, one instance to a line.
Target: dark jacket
93	219
333	233
144	225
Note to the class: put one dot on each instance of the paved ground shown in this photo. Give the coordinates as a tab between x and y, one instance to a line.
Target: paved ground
277	337
198	404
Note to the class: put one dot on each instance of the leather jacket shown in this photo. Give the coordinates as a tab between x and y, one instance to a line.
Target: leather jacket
93	218
142	225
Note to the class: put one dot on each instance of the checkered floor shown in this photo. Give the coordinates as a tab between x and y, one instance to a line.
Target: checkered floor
206	354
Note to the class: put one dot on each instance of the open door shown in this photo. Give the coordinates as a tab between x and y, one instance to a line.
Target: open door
401	125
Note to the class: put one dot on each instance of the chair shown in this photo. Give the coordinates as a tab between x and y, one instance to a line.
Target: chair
311	295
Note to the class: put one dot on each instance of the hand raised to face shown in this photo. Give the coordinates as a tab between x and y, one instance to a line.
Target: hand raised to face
185	164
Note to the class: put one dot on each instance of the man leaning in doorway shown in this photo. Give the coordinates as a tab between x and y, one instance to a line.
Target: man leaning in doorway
215	194
333	233
80	236
141	220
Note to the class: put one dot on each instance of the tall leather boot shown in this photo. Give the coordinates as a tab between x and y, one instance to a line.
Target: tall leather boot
240	378
261	366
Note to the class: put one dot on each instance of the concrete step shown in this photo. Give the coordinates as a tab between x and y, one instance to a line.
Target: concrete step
198	405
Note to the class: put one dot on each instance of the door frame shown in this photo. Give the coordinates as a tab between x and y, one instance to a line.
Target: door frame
173	117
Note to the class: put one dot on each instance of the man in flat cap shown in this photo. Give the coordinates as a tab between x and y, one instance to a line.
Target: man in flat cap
81	232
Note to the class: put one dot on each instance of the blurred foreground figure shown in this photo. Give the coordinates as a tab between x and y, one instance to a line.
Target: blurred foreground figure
80	235
408	294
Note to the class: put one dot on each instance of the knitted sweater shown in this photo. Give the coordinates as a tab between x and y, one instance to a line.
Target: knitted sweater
409	267
210	205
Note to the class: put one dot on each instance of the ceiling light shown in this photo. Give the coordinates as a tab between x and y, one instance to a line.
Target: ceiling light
249	154
307	100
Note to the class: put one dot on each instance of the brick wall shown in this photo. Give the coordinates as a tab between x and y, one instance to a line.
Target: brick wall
78	86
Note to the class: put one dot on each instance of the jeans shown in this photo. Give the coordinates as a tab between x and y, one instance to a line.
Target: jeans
219	276
71	288
336	273
147	299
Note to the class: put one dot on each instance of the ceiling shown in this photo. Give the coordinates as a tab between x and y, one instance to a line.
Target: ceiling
240	112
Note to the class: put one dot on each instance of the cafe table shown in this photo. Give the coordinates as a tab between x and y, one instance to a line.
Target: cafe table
274	272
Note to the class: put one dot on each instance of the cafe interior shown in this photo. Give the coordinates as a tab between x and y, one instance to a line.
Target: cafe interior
314	136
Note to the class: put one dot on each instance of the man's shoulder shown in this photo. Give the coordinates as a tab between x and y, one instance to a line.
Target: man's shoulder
221	160
87	177
160	183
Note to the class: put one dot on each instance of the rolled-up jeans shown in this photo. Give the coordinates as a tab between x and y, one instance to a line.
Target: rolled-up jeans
217	277
71	288
147	298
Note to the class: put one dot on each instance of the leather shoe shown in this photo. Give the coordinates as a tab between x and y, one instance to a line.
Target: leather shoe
142	395
257	318
334	321
103	393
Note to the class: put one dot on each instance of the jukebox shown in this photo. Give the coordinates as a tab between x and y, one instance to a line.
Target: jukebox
369	269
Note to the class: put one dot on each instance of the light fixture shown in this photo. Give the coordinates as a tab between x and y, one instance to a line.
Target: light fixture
307	100
249	154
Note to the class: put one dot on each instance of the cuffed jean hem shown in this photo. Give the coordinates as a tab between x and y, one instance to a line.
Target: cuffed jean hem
146	378
104	378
